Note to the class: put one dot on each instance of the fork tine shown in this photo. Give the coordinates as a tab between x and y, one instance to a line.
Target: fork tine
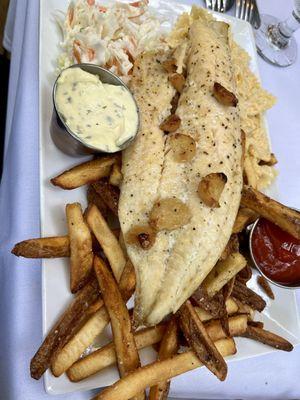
251	12
213	5
208	3
242	13
247	10
219	5
237	8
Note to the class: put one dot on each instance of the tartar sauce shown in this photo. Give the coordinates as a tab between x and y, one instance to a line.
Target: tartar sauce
102	115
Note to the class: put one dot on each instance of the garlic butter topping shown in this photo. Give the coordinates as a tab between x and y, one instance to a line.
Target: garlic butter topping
101	115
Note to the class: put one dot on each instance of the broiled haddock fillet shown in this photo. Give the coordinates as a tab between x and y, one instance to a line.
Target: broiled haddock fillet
216	129
142	165
169	272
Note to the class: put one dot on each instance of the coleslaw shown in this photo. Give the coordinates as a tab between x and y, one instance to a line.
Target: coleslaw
110	36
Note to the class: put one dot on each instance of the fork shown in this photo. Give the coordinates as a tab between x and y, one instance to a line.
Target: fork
244	9
216	5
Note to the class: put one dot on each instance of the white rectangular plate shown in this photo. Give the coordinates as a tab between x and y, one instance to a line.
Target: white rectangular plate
279	316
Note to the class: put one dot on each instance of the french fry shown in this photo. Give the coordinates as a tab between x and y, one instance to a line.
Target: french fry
47	247
223	312
107	240
237	326
204	315
126	351
247	296
223	271
231	247
71	320
94	198
74	348
244	217
227	289
168	347
245	274
81	254
127	281
109	194
116	176
269	338
199	340
122	244
257	324
286	218
93	327
82	174
158	371
245	309
209	304
264	284
106	356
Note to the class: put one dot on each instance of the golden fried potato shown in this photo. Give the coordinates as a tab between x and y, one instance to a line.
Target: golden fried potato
200	341
47	247
244	217
264	284
269	338
81	252
152	374
82	174
286	218
106	355
116	176
69	322
168	347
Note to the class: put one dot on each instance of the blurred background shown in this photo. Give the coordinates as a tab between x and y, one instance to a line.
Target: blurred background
4	73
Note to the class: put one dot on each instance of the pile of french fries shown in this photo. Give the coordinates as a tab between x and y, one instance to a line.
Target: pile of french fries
102	279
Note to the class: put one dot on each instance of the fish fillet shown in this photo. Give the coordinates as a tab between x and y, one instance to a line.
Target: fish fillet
142	165
171	270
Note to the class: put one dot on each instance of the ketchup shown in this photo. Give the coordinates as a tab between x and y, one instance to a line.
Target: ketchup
276	252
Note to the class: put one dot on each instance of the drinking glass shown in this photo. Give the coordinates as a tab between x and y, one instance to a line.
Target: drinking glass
274	39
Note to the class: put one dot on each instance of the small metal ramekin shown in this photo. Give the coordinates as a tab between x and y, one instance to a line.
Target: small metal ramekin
294	286
63	137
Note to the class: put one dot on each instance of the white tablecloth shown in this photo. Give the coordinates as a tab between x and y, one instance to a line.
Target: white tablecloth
275	376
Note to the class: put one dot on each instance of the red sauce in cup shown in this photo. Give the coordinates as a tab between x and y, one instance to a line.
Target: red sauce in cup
276	252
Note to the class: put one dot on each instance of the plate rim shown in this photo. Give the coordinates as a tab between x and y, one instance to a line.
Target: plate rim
46	378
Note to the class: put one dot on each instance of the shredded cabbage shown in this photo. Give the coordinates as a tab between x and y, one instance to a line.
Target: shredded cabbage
111	36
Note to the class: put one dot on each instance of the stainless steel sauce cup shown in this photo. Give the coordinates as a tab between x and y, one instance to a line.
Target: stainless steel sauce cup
294	286
63	137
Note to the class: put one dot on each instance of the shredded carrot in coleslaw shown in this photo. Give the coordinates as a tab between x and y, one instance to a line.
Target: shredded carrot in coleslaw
110	36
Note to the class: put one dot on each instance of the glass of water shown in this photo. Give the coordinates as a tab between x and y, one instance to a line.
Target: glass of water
274	39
